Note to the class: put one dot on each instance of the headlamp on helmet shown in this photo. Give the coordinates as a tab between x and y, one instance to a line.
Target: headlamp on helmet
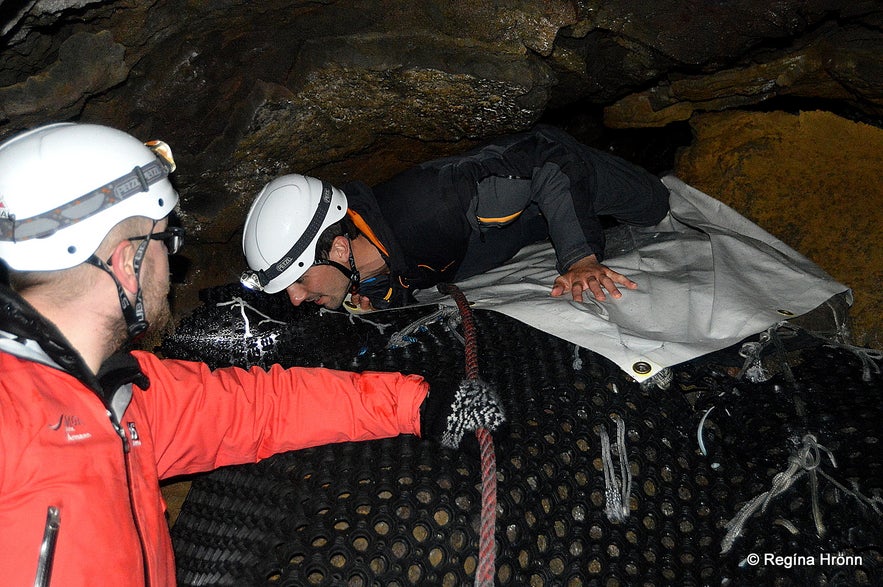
64	186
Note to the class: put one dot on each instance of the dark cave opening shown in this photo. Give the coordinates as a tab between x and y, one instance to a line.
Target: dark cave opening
654	149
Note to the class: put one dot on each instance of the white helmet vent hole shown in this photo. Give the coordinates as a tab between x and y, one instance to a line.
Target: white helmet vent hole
301	264
161	202
72	249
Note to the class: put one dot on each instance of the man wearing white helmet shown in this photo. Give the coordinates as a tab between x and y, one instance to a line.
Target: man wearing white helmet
447	220
87	430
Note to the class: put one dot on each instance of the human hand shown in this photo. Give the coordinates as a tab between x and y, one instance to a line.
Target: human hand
358	304
589	274
449	412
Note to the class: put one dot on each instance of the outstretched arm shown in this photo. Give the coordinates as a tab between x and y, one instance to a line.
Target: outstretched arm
589	274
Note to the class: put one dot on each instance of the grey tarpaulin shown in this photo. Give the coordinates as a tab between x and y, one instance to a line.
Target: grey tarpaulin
707	276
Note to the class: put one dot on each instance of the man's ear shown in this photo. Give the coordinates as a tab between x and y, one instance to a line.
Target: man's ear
340	249
122	264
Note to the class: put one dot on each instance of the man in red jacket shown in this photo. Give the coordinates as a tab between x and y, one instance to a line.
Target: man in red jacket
87	431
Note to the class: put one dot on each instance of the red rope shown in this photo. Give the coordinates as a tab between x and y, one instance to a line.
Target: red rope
484	574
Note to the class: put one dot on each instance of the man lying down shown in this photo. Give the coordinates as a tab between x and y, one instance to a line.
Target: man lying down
447	220
681	276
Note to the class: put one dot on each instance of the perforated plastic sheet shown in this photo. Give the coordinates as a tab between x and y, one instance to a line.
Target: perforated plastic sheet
404	511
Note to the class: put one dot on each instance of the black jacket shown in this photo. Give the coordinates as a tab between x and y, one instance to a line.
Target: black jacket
428	219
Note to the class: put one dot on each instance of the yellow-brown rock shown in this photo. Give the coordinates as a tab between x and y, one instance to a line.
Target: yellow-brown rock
813	181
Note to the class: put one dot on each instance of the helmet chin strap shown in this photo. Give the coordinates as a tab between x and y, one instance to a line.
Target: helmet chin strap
134	314
351	273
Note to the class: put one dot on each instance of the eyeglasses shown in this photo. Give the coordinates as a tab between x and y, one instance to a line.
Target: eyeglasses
172	237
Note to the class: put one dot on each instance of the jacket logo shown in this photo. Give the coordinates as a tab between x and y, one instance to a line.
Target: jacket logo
69	424
133	434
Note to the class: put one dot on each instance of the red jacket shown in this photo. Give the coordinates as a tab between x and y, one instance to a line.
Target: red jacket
58	447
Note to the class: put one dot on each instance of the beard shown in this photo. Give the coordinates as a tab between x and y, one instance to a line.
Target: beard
157	315
156	305
155	286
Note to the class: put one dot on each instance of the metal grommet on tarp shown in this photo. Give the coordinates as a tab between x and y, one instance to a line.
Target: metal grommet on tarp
642	368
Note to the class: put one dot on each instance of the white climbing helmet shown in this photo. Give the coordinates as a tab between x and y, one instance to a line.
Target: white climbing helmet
64	186
283	227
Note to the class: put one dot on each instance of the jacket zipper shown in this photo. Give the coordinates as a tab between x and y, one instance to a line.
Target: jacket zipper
47	547
127	463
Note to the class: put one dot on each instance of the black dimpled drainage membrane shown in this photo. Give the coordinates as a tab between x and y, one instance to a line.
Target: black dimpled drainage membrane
402	511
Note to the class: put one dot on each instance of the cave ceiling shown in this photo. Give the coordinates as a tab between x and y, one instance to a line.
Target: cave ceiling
244	91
